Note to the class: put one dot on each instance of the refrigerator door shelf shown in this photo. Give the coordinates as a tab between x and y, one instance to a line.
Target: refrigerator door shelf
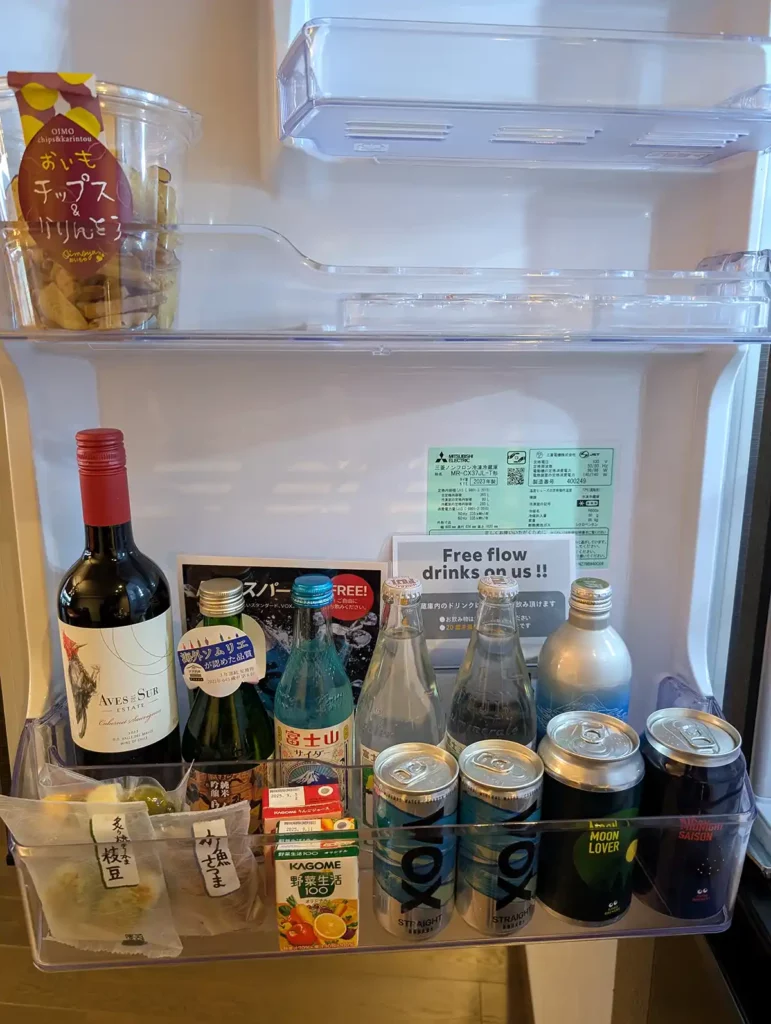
250	287
64	939
437	91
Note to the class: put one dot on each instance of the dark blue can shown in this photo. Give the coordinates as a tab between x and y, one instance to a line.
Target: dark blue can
695	770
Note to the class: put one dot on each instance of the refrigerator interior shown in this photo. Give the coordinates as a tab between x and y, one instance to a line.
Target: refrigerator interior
323	454
283	451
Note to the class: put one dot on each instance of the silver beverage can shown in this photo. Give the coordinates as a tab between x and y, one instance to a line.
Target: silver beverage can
415	784
501	785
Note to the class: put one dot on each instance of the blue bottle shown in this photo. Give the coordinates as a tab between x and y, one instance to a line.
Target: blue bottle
314	700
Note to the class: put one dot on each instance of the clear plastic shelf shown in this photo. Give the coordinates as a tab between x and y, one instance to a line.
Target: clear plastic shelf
267	294
421	90
65	934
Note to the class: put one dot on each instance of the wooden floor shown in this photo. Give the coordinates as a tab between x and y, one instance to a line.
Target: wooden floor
451	987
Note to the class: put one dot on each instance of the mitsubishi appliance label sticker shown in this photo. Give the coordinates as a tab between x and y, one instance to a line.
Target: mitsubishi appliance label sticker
525	490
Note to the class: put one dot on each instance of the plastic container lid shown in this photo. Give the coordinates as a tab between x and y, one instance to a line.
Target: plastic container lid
134	104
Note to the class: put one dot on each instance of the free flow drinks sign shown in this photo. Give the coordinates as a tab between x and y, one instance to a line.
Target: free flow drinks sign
450	567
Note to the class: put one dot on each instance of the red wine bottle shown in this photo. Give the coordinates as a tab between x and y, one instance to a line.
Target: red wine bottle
115	625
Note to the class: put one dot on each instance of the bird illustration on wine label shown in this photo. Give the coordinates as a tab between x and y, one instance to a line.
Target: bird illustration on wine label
83	684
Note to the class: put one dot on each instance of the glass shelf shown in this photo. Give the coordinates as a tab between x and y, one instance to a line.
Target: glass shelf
249	287
420	90
61	933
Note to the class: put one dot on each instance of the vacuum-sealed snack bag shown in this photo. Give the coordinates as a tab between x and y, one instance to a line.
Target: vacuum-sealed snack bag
56	783
97	873
212	875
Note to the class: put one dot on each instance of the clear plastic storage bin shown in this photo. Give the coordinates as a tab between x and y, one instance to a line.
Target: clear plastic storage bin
137	287
272	296
71	922
426	90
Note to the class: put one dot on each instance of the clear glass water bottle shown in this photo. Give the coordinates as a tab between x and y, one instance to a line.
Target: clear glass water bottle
493	697
584	665
399	701
314	701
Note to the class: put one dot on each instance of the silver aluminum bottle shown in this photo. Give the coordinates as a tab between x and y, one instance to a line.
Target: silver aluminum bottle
584	665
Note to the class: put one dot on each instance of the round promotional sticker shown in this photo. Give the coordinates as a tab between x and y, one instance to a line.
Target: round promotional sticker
218	659
354	597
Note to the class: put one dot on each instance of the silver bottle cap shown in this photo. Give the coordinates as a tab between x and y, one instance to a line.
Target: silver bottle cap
402	590
419	768
500	764
220	598
693	737
498	588
591	595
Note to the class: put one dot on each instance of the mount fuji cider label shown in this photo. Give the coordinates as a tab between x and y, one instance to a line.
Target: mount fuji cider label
320	749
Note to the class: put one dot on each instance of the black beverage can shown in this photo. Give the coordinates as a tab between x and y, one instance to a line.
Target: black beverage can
593	770
694	769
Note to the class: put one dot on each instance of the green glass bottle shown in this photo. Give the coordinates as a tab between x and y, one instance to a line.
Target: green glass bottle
234	730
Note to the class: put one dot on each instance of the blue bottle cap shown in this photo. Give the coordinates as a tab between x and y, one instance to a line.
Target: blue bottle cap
312	592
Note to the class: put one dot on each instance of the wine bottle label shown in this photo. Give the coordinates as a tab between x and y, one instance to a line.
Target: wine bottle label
218	659
323	747
367	757
121	691
208	790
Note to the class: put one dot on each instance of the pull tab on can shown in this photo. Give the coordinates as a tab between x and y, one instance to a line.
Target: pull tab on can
410	772
593	734
698	737
500	764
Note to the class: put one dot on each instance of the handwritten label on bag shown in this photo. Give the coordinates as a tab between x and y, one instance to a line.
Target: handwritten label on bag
213	855
113	851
